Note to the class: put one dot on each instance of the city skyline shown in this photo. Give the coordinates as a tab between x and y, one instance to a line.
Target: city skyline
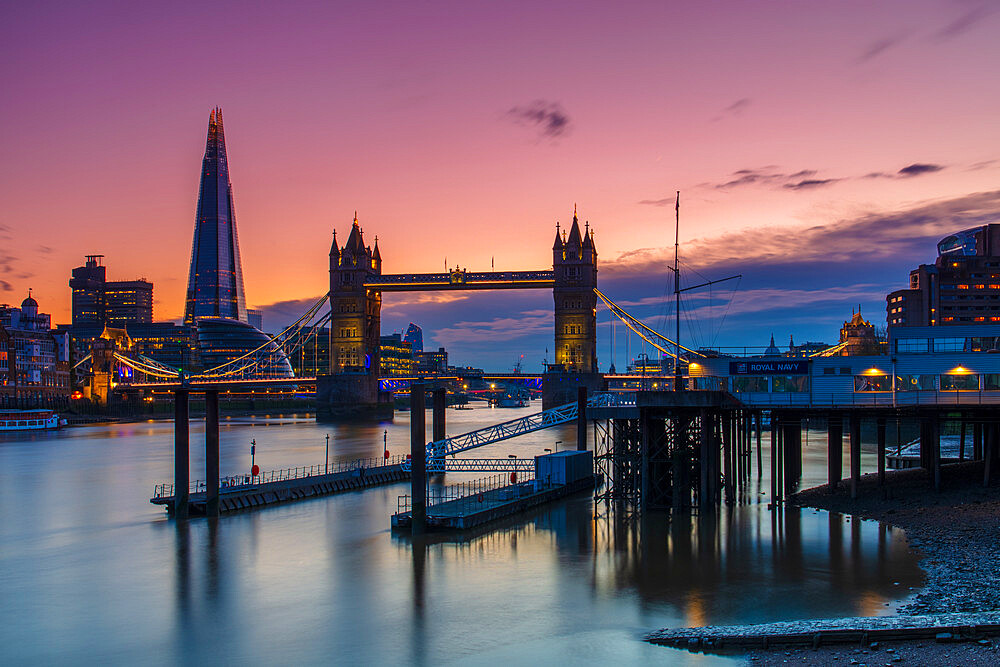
814	147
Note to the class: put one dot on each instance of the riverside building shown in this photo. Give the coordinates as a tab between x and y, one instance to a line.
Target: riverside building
962	286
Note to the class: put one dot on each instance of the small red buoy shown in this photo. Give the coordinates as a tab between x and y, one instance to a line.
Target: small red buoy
386	454
513	478
407	457
255	470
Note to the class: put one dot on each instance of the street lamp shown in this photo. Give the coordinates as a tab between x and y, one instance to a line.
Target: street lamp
385	444
558	442
327	464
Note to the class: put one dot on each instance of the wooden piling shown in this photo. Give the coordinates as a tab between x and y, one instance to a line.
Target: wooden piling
880	436
855	426
834	449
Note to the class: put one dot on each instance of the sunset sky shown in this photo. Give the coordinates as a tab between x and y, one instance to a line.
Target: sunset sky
821	149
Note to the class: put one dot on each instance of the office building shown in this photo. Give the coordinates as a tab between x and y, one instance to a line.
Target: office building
395	357
415	337
962	286
215	280
431	362
255	318
97	302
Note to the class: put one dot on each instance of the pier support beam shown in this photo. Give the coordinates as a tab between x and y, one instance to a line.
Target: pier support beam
834	450
855	422
581	419
706	493
182	475
418	460
989	452
438	416
211	453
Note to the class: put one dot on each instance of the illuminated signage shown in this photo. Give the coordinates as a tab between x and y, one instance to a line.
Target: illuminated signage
768	367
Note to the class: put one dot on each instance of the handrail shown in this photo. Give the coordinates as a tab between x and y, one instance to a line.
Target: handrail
231	482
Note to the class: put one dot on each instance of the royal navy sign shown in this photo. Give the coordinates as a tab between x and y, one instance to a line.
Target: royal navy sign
769	367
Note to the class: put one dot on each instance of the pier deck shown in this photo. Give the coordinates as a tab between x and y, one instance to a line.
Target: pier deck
238	493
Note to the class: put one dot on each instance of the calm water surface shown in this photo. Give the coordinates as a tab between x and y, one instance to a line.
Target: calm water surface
90	571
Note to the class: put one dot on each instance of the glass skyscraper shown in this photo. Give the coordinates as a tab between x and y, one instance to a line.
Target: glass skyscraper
215	283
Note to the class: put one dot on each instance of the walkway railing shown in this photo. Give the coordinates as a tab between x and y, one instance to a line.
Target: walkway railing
861	399
476	493
476	465
515	427
232	482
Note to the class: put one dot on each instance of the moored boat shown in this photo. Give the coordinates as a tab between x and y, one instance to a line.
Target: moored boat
28	420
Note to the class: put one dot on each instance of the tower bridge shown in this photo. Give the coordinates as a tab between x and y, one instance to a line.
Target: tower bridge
351	389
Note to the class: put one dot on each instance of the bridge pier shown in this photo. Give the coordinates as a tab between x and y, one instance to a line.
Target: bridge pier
182	475
418	460
211	453
581	419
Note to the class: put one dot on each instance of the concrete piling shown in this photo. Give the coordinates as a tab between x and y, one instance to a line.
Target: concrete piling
418	461
182	475
211	453
835	449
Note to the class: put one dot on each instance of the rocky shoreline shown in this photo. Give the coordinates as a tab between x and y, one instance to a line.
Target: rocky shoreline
957	533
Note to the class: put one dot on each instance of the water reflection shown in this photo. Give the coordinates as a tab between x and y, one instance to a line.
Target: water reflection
323	579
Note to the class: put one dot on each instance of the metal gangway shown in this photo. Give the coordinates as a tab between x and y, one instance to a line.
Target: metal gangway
439	450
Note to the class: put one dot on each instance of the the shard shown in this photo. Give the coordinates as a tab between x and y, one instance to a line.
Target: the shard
215	283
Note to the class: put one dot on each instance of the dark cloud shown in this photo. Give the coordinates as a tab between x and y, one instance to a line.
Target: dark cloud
739	106
869	238
919	169
982	165
965	22
878	47
548	118
811	183
6	286
44	250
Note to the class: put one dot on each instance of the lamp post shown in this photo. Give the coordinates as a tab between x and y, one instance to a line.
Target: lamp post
385	444
558	442
327	464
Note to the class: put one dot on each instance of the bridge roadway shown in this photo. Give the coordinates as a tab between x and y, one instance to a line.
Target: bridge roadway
460	279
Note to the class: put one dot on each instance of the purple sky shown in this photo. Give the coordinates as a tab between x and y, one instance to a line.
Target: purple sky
466	130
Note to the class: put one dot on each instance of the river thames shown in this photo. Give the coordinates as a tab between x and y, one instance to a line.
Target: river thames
92	572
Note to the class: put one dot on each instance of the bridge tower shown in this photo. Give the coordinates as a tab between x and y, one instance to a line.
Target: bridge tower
352	384
574	265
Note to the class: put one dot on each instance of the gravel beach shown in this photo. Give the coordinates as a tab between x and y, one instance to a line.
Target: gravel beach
957	533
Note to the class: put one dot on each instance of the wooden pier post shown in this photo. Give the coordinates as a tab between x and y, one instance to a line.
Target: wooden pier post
834	449
977	441
438	416
961	442
855	425
182	475
211	453
880	436
989	452
933	431
791	445
581	419
418	460
759	428
705	492
727	458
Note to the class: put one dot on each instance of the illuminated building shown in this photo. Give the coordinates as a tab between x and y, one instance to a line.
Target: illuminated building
34	361
415	337
395	357
574	263
98	302
256	318
215	281
222	340
961	287
313	355
431	362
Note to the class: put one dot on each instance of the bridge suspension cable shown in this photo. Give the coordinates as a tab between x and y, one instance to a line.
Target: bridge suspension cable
641	329
290	332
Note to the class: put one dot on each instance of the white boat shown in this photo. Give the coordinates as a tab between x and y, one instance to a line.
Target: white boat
28	420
